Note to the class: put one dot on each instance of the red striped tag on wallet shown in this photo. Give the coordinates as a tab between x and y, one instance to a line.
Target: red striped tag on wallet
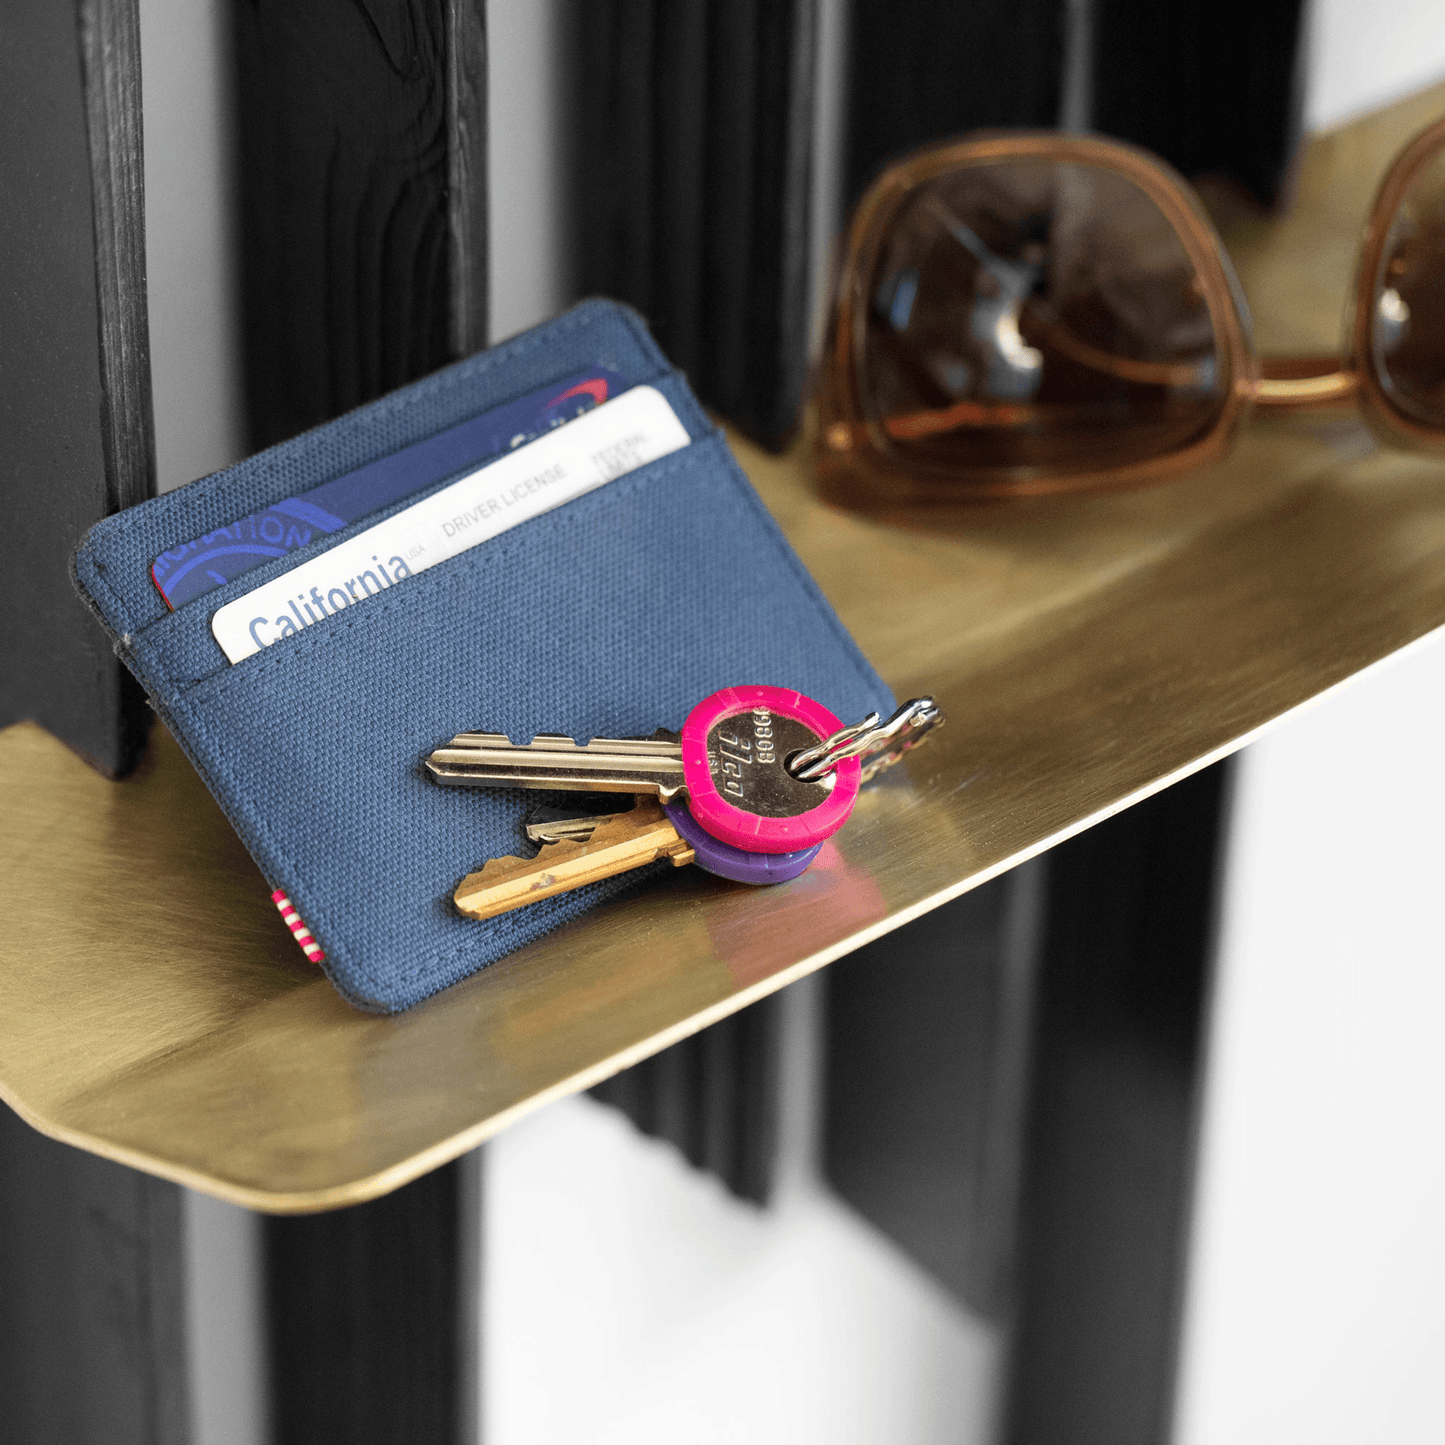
299	930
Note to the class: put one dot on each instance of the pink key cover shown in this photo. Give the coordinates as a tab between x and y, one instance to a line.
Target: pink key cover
747	830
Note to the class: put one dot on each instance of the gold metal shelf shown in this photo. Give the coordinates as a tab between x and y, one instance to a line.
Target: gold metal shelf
1088	651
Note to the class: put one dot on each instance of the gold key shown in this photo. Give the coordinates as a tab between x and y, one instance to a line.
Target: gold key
618	843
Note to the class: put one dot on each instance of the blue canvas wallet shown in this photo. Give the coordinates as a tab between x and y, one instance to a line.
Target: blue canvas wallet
611	615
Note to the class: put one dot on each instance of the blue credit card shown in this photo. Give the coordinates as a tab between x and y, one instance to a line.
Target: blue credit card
185	573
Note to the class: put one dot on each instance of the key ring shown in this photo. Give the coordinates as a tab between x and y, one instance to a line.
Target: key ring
877	745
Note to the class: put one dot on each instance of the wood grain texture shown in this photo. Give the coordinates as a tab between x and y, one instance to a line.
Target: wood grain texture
467	208
692	135
110	72
75	416
362	126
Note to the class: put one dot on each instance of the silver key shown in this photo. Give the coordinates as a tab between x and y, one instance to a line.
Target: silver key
876	745
605	765
559	825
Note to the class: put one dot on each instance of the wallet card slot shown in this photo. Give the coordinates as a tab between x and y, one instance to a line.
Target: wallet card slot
113	563
180	647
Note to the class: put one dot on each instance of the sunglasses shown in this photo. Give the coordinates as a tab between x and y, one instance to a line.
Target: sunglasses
1033	312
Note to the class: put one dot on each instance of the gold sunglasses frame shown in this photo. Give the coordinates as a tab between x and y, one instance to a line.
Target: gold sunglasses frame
859	466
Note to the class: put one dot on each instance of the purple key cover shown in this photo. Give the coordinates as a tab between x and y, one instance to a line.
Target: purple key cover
184	573
715	856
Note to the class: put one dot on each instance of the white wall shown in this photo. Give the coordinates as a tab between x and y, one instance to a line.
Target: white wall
527	255
1314	1311
1317	1306
190	252
1363	54
225	1322
630	1300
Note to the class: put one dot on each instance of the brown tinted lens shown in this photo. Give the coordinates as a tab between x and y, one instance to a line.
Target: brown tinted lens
1407	323
1037	314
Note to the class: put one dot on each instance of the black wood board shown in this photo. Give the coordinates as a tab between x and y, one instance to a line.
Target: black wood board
75	410
691	130
372	1317
927	1065
1118	1051
932	69
714	1096
363	162
1012	1085
692	137
1215	88
92	1345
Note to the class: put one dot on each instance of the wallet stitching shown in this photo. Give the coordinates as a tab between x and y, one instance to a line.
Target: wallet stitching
99	579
